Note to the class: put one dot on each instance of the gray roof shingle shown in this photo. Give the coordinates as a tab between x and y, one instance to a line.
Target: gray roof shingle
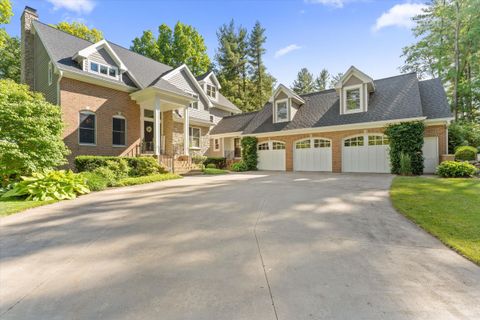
434	99
235	123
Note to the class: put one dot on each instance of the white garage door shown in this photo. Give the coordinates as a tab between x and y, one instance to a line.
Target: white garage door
271	156
312	154
430	154
366	153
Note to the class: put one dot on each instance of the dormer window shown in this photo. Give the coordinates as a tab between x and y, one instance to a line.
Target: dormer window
353	99
211	91
281	110
103	70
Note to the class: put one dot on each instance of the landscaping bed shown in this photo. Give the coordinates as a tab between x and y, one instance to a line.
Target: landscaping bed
449	209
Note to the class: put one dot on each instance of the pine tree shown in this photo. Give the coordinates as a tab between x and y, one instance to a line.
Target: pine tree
321	82
335	79
304	82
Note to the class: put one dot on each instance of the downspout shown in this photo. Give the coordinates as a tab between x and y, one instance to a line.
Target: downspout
60	76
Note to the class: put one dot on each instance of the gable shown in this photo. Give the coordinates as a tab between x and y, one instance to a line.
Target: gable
182	80
353	80
281	95
102	56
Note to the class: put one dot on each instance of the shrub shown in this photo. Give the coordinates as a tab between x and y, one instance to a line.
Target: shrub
49	185
30	130
211	166
406	137
249	152
239	166
462	133
466	153
405	165
120	168
219	162
107	174
214	171
131	181
144	166
456	169
94	181
198	159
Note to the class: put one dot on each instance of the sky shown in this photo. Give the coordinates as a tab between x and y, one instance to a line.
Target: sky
317	34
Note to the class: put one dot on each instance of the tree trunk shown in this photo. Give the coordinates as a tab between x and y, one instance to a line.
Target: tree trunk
457	59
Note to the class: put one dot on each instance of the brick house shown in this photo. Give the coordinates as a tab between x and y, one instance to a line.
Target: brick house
117	102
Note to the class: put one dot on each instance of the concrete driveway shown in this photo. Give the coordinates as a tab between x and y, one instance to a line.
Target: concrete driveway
241	246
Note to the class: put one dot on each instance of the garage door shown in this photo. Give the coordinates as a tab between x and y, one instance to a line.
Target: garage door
366	153
271	156
313	154
430	154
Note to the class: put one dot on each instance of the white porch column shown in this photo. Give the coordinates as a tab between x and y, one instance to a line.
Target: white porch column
186	131
156	127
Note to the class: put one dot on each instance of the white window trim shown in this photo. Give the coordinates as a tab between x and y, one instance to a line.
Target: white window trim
212	86
276	109
125	133
95	130
50	73
108	76
362	99
191	136
215	144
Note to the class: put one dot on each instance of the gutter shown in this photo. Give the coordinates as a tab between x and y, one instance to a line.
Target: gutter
60	76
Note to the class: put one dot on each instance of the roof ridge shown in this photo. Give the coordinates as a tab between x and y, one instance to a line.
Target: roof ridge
139	54
398	75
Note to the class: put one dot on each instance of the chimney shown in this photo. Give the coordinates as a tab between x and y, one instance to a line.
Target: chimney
27	46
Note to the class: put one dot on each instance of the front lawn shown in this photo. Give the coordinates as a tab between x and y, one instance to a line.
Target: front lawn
447	208
214	171
14	205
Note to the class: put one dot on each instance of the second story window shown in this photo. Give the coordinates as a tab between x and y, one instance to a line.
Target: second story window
211	91
50	73
281	111
104	70
353	99
194	105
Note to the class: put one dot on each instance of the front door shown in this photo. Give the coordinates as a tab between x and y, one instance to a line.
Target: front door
148	136
237	148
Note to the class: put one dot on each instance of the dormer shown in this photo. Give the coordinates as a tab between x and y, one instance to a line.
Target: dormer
210	84
353	89
100	59
285	104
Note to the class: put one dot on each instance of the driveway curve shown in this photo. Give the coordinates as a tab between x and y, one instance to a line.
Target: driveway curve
238	246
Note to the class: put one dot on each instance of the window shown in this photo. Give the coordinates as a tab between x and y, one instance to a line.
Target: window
194	137
147	113
304	144
211	91
212	118
281	111
353	99
103	69
86	128
263	146
118	131
50	73
378	140
354	142
321	143
194	105
216	144
278	145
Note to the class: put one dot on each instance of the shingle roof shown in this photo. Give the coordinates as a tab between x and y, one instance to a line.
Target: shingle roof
224	102
235	123
396	97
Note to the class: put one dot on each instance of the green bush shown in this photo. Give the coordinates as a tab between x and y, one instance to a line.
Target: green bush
462	133
144	166
214	171
94	181
239	166
49	185
107	174
249	152
198	159
405	165
466	153
90	163
211	166
120	168
456	169
406	137
219	162
131	181
31	132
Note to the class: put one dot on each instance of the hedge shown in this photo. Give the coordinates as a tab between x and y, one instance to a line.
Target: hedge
249	152
138	166
455	169
219	162
466	153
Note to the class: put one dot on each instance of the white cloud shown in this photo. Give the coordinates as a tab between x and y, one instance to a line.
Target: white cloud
287	49
333	3
399	15
78	6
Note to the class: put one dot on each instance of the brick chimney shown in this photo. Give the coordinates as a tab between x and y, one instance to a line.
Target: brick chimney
27	46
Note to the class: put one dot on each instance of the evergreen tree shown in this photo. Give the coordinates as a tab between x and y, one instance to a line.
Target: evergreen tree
335	79
304	82
321	82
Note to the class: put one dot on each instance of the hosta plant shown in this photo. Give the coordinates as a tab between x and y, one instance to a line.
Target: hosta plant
49	185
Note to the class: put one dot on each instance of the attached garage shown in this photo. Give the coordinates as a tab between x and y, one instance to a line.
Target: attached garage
312	154
366	153
271	156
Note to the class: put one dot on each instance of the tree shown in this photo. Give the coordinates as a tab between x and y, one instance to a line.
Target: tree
261	80
80	30
30	131
5	15
304	82
183	45
321	82
10	59
335	79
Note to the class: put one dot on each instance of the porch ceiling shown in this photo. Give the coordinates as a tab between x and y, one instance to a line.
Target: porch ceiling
149	97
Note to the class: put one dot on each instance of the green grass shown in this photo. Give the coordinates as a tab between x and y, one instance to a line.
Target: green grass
9	206
214	171
131	181
447	208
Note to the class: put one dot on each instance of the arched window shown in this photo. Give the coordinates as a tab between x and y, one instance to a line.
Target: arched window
304	144
87	128
263	146
321	143
119	131
378	140
354	142
278	145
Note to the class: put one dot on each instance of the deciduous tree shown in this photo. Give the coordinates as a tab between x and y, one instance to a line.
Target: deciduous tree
80	30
